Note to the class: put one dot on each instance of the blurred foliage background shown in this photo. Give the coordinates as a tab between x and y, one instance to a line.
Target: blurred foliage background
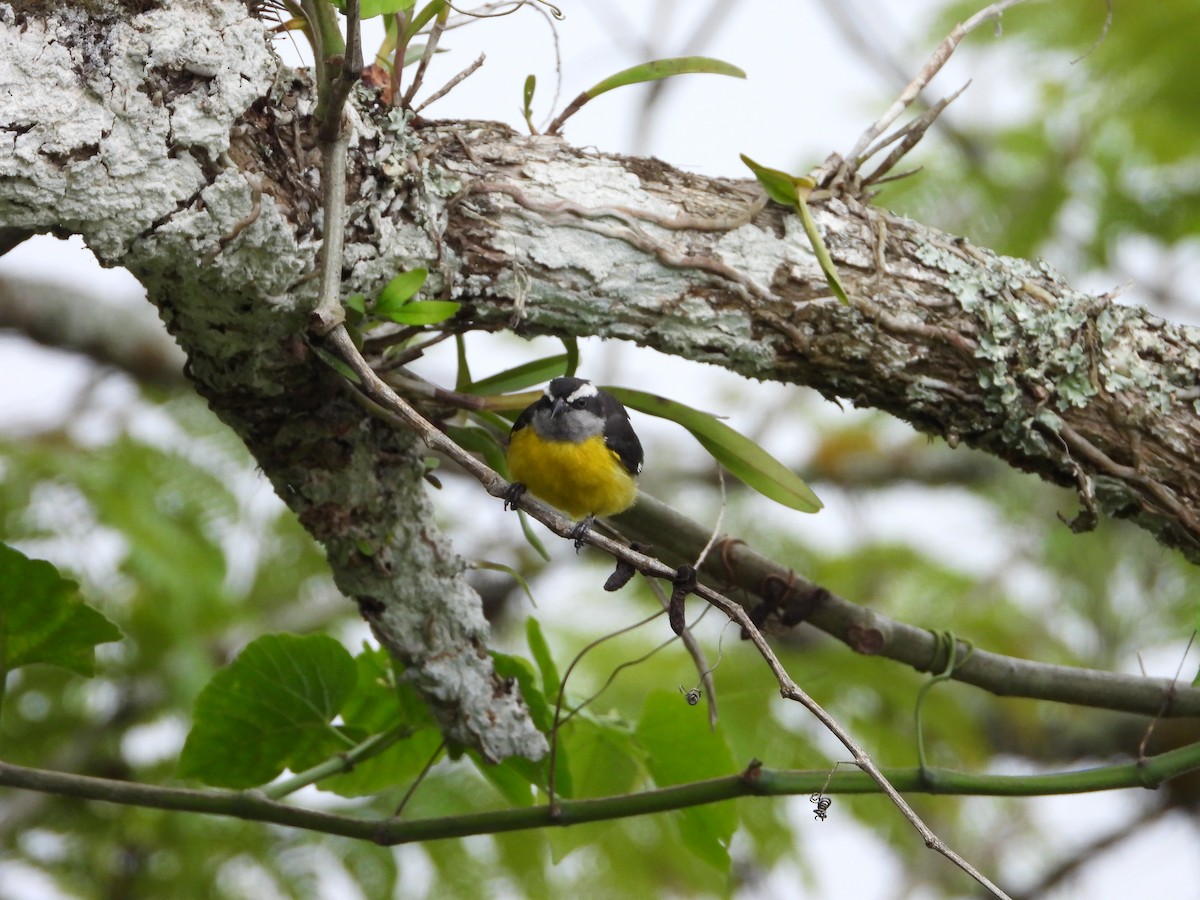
1091	158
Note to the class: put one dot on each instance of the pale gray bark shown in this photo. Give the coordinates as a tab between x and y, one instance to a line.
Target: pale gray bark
173	142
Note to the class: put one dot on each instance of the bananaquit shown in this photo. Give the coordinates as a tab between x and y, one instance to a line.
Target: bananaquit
576	450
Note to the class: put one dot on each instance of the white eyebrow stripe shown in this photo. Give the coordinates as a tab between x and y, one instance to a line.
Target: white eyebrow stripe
584	390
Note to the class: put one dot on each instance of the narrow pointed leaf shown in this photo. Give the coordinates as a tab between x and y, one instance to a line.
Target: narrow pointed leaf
424	312
779	185
540	649
571	345
507	570
664	68
523	376
399	291
532	538
821	251
481	441
421	19
743	458
527	108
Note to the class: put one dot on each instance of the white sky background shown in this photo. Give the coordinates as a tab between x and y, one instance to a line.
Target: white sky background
808	93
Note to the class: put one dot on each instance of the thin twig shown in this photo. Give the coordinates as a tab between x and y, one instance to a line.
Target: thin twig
562	690
412	788
435	32
334	139
378	391
932	66
699	660
790	690
452	83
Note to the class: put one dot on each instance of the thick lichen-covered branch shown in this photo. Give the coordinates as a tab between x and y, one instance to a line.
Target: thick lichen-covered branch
1002	354
174	142
143	134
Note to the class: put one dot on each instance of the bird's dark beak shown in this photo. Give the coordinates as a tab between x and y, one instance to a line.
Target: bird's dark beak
558	407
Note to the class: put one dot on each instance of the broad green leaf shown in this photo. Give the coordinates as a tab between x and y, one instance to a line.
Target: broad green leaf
516	777
377	704
424	312
399	291
43	619
523	376
1196	626
741	456
543	657
542	712
784	189
664	68
270	706
513	785
679	748
604	763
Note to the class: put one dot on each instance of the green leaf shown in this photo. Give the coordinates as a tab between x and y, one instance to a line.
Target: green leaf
481	441
513	784
44	620
424	312
421	19
514	776
414	52
369	9
523	376
462	375
527	107
508	570
571	345
380	702
821	251
522	672
531	537
741	456
680	748
399	291
543	657
664	68
604	763
781	187
793	191
270	706
356	302
337	365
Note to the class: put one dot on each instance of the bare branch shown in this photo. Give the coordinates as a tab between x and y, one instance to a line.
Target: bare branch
859	152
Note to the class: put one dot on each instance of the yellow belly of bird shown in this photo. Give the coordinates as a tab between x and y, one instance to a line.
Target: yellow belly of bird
580	479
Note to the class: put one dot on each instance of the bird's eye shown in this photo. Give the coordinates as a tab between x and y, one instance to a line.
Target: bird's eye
579	404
